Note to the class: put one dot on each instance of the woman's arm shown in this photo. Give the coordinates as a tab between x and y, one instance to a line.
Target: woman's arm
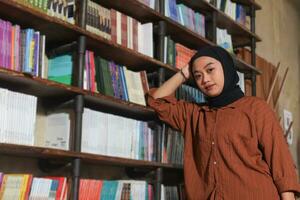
170	86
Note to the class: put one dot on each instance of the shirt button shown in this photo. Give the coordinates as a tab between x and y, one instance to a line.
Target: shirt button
213	143
215	162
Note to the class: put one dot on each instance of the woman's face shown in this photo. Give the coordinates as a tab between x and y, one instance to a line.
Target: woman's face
209	75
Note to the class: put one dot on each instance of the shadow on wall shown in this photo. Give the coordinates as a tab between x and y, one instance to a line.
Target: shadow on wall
298	140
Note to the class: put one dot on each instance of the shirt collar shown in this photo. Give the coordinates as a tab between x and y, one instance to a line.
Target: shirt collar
231	106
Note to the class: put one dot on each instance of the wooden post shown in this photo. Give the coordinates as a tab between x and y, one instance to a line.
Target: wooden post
281	87
273	83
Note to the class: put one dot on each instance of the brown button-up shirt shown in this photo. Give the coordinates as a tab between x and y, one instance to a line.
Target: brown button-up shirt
237	152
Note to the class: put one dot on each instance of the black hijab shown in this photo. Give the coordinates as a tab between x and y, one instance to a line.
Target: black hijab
231	91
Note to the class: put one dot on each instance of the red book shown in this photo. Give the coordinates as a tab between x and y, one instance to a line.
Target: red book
124	30
113	18
144	81
183	55
99	185
92	71
135	34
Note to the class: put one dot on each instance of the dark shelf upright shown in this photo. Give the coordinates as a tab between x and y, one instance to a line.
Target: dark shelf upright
161	33
79	99
253	49
211	25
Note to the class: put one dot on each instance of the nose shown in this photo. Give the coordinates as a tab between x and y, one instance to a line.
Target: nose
205	79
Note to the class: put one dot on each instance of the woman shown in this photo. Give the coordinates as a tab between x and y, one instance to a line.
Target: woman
234	146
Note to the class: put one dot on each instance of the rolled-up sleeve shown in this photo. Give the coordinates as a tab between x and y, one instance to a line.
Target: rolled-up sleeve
169	110
275	150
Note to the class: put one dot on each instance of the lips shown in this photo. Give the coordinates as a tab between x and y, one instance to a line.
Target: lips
209	87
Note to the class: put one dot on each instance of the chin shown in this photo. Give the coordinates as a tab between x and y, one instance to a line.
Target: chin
213	94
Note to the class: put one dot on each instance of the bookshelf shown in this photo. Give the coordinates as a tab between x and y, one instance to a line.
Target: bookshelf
75	98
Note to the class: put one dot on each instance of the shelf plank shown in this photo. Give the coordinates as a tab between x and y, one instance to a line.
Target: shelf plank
124	162
113	105
133	8
249	3
43	152
36	86
35	152
47	89
245	67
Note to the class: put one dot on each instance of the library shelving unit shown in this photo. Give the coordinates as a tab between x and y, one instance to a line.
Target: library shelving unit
59	32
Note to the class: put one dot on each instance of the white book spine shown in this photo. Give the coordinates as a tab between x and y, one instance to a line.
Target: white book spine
119	27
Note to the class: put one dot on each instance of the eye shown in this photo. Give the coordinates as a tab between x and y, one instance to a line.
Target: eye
210	69
197	76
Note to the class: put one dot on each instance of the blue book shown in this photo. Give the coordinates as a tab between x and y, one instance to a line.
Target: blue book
173	10
124	85
60	69
28	39
36	39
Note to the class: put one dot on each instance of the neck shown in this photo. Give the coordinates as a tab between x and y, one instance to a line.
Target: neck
225	98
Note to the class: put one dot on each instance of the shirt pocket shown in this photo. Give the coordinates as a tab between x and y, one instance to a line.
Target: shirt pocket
243	147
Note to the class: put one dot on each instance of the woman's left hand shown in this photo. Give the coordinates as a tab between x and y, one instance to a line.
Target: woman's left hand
287	196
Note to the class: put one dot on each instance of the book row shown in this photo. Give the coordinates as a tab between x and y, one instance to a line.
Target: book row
28	187
62	9
101	76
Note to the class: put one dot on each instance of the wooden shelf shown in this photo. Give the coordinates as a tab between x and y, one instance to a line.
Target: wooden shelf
28	84
113	105
35	152
133	8
60	32
18	81
124	162
245	67
248	3
43	152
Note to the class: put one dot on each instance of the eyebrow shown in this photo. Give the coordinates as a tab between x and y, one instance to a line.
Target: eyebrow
205	66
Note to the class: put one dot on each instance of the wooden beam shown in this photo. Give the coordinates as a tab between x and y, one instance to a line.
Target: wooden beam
273	83
281	87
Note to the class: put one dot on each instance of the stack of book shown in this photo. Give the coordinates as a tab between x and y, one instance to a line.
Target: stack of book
113	135
185	16
21	49
18	116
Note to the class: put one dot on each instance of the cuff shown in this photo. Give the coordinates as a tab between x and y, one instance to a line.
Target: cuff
288	184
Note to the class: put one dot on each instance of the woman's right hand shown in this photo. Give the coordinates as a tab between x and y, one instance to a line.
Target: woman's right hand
186	71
